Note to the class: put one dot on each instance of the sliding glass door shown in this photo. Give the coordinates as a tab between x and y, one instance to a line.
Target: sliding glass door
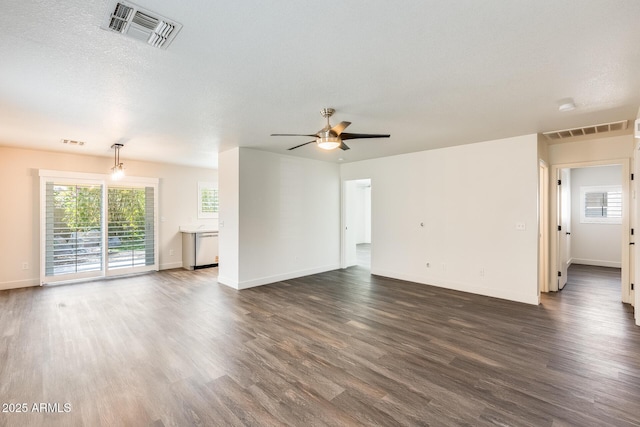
73	244
130	229
96	228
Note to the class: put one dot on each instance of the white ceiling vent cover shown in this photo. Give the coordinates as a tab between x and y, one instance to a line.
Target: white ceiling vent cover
141	24
588	130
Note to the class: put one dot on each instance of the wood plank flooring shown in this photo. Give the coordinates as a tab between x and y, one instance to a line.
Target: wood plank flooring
341	348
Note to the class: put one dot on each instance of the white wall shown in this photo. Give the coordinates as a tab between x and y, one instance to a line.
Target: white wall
469	199
289	217
20	215
594	244
612	148
229	216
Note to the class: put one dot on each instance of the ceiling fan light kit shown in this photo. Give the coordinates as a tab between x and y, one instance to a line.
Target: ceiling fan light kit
328	142
330	138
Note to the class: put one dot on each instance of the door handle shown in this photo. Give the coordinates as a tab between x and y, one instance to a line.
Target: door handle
632	243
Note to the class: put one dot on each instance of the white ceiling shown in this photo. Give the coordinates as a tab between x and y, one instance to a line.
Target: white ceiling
430	73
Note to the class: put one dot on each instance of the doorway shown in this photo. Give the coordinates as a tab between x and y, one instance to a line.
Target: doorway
543	225
591	206
357	247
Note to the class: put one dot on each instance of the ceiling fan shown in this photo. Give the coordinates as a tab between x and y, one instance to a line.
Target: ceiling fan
329	138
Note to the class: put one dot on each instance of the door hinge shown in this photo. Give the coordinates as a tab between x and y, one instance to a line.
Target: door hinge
632	231
559	228
559	274
559	182
631	177
632	286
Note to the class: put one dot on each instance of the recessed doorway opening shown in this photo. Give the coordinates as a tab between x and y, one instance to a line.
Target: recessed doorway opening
592	217
357	245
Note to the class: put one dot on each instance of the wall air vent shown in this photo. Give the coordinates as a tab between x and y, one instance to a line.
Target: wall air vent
556	135
138	23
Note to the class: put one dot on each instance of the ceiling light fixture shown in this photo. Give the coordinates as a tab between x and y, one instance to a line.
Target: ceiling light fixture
566	104
328	142
117	171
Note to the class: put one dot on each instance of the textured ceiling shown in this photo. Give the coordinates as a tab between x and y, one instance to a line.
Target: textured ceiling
430	73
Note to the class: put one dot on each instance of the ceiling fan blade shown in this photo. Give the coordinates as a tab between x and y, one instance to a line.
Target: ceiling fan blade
298	146
340	127
292	134
346	135
344	146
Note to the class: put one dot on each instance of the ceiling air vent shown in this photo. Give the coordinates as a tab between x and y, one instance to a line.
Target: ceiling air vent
72	142
138	23
556	135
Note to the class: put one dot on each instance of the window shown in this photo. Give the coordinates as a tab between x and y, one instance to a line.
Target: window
92	227
602	204
207	200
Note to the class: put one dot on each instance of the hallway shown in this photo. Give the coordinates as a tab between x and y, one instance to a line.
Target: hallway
592	296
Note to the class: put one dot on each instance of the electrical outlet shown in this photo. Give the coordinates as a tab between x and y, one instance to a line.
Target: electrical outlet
444	267
481	272
521	226
25	265
171	252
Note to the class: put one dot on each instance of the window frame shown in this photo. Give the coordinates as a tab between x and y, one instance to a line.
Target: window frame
584	190
105	181
203	186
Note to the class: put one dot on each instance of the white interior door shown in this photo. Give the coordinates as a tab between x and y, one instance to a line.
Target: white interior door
564	230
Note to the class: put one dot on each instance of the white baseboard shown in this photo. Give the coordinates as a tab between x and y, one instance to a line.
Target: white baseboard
597	262
228	282
533	299
19	284
284	276
170	265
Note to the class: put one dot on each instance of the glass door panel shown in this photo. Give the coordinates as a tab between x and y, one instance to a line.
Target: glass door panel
131	227
74	247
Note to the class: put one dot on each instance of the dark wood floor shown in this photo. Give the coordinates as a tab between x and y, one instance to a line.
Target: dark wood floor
341	348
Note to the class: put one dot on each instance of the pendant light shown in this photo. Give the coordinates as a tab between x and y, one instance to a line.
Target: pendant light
117	171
